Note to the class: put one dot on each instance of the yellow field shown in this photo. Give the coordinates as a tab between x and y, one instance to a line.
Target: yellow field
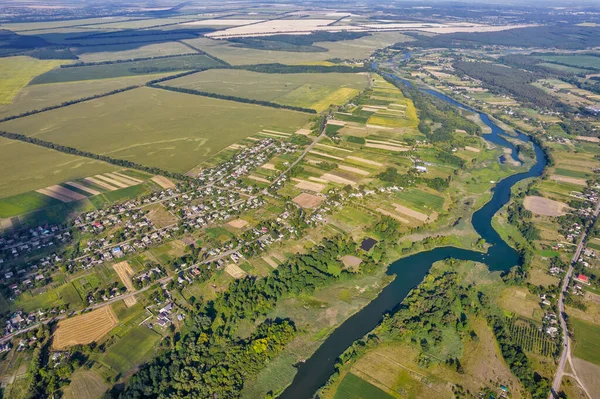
339	97
83	329
17	72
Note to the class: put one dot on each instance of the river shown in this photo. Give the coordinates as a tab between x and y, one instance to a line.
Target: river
411	270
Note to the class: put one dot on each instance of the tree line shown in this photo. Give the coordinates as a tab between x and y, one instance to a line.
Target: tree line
124	61
233	98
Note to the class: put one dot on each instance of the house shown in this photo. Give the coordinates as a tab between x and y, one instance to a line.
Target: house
421	169
582	278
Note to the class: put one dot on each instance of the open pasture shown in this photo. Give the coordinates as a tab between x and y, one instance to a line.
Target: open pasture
85	328
17	72
155	127
309	90
131	349
586	341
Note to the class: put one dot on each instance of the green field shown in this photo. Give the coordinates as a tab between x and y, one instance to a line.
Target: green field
418	199
132	349
185	62
564	68
587	346
17	72
571	173
582	61
155	127
25	202
354	387
309	90
32	167
128	51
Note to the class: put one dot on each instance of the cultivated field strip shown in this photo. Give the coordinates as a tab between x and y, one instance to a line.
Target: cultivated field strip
111	181
128	177
83	188
123	179
162	181
61	193
85	328
100	183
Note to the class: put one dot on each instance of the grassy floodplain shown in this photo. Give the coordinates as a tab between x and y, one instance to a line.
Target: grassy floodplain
17	72
308	90
170	130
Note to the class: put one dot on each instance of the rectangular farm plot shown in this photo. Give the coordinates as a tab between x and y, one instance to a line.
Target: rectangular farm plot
61	193
308	90
155	127
85	328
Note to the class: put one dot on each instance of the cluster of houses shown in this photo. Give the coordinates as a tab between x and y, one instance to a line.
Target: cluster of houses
23	242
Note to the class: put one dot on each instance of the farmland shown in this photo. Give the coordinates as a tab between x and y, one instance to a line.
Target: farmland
85	328
17	72
150	113
354	387
312	90
131	349
586	341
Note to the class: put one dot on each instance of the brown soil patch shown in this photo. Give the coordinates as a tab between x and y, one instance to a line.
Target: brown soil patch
271	262
472	149
61	193
238	223
545	206
304	132
268	166
351	262
83	188
308	185
338	179
100	183
412	213
112	181
566	179
365	161
590	139
234	271
306	200
163	182
83	329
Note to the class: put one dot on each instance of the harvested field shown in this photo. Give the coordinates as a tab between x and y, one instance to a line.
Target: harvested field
85	384
411	213
351	262
128	177
472	149
304	132
111	181
130	301
388	147
311	178
338	179
333	148
270	262
322	154
354	170
393	215
234	271
545	206
365	161
572	180
121	178
83	188
269	166
162	181
100	183
125	272
588	138
257	178
61	193
238	223
85	328
308	185
306	200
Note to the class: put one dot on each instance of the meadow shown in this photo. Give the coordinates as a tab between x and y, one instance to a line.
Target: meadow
169	130
308	90
17	72
586	341
354	387
131	349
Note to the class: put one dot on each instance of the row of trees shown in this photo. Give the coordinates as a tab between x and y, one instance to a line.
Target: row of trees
233	98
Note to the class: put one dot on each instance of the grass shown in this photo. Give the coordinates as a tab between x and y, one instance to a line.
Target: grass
309	90
132	349
85	385
112	52
418	199
354	387
185	62
23	203
587	346
571	173
163	128
581	61
17	72
120	195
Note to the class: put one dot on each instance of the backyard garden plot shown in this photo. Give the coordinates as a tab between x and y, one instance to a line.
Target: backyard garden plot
85	328
307	90
155	127
17	72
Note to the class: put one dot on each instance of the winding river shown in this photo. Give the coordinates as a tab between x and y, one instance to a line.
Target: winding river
411	270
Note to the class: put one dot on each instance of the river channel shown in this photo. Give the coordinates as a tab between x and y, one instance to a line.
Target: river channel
411	270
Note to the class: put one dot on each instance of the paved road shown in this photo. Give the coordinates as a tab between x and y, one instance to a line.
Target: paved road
566	350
